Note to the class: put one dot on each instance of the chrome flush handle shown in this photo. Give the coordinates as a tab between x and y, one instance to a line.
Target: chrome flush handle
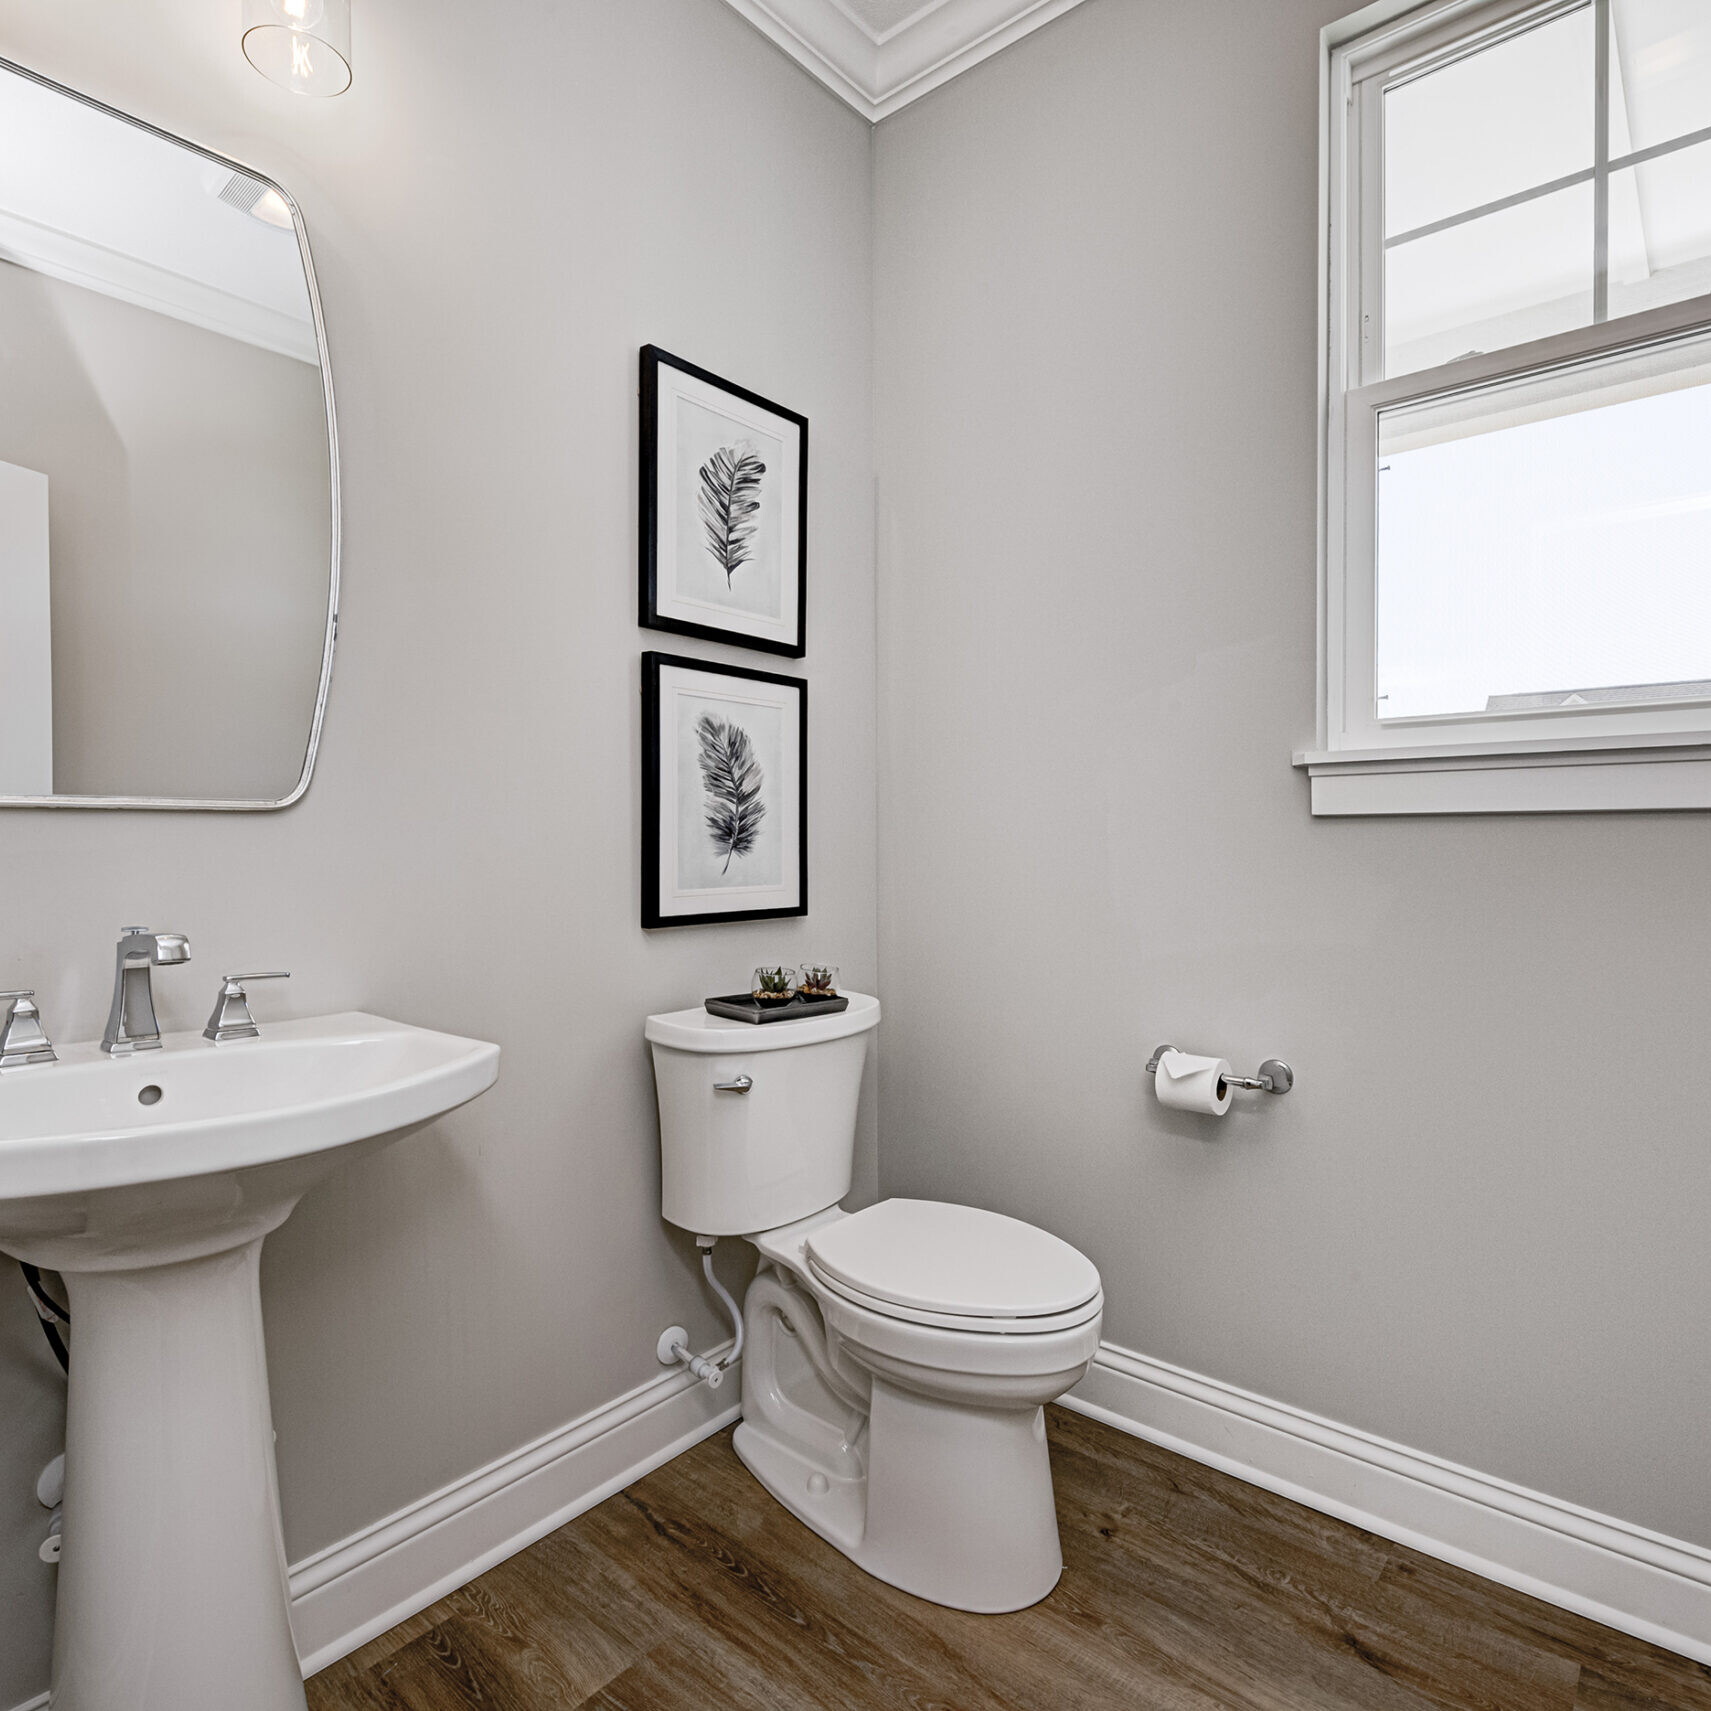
741	1085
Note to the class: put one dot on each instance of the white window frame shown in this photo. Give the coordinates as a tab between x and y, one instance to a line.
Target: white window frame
1640	757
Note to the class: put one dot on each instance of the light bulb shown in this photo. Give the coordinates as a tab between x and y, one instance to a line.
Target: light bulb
302	45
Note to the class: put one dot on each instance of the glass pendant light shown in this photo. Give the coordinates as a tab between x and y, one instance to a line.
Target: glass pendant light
302	45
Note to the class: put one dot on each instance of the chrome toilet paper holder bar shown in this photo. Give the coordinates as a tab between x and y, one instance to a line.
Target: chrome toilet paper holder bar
1275	1076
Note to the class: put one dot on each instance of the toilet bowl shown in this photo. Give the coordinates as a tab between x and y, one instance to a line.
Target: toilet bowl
898	1359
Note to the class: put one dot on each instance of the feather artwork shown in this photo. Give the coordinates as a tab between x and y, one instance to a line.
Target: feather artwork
730	505
731	779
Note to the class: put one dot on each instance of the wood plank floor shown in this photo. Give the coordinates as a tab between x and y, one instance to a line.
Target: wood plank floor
1183	1590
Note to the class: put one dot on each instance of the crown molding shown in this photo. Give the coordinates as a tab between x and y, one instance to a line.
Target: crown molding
879	71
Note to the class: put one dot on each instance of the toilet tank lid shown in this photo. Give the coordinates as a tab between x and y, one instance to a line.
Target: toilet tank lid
953	1259
696	1031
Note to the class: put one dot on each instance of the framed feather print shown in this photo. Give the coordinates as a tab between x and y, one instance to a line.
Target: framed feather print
724	519
724	793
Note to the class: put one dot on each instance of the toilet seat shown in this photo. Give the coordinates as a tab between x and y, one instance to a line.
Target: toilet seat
1037	1325
930	1262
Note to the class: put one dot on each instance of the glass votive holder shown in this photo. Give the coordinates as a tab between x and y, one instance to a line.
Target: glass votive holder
773	985
302	45
817	980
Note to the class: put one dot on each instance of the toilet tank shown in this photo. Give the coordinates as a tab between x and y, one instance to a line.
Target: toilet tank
735	1163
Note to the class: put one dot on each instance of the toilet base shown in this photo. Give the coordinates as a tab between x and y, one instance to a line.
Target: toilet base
956	1505
836	1512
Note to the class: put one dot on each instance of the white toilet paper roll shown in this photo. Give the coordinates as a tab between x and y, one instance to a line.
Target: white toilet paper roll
1190	1083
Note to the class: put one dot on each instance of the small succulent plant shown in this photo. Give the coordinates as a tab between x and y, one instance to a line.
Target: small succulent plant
818	981
774	984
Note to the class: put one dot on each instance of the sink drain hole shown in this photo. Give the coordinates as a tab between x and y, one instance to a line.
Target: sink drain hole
150	1095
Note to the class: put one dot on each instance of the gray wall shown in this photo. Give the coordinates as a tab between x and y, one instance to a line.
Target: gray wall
1478	1223
188	538
510	201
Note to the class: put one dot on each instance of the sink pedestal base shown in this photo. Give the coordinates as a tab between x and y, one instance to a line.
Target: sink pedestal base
172	1588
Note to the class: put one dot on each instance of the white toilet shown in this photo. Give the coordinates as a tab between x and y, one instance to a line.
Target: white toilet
897	1359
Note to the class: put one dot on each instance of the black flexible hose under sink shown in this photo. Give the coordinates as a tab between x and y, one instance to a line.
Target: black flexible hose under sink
49	1311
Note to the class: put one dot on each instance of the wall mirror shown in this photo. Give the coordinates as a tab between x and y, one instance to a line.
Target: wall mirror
169	517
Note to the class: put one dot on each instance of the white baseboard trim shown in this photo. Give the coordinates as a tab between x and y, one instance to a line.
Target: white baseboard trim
345	1595
1656	1588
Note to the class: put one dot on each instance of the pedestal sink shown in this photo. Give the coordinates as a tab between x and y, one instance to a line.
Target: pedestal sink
148	1183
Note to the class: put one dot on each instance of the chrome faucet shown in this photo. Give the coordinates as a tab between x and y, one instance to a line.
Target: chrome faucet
131	1024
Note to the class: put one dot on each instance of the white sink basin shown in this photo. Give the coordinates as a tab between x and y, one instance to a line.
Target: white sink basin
149	1182
78	1129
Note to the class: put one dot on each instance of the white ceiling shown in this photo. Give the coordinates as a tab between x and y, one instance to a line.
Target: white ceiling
878	55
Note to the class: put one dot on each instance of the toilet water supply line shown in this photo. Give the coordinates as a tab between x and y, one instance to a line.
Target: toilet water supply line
712	1373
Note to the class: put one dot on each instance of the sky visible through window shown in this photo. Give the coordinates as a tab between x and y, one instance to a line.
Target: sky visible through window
1560	555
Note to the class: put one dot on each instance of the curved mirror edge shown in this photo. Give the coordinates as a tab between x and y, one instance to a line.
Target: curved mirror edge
238	805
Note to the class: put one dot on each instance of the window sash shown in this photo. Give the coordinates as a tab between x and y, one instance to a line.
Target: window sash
1354	392
1377	80
1360	727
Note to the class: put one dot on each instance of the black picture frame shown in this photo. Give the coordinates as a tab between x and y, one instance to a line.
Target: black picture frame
662	603
664	675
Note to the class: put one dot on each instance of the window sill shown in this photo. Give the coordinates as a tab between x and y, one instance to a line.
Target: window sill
1667	772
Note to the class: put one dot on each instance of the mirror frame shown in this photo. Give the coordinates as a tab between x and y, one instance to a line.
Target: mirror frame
241	806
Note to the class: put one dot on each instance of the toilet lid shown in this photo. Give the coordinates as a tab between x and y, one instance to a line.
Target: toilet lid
950	1259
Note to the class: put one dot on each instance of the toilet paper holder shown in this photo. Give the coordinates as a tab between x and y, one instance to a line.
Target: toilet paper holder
1275	1076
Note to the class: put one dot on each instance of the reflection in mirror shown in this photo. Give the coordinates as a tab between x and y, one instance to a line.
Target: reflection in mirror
168	529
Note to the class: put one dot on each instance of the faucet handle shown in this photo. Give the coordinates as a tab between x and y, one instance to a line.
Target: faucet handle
22	1038
231	1019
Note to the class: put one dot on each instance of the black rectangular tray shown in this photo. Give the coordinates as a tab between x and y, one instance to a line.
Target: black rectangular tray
740	1007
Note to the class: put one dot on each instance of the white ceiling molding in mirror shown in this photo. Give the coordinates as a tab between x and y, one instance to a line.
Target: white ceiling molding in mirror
139	217
879	55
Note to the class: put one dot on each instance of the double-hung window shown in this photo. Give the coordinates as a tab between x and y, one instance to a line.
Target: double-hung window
1516	453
